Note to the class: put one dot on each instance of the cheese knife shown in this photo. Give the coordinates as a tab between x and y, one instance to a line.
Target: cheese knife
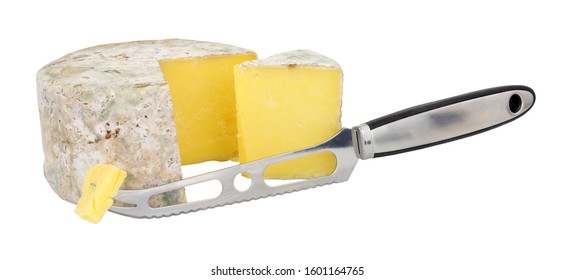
407	130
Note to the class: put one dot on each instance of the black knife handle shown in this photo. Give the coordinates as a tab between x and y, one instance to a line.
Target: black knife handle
442	121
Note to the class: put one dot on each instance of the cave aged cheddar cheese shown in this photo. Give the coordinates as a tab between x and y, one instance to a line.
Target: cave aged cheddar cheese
112	104
287	102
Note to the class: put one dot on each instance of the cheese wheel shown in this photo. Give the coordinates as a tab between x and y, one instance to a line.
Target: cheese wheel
287	102
111	104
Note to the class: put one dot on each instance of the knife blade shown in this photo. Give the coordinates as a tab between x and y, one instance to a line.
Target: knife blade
407	130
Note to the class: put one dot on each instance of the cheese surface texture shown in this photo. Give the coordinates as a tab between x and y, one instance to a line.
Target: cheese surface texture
287	102
203	96
112	104
101	184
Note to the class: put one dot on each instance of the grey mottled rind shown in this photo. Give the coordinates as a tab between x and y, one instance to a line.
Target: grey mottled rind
298	57
111	104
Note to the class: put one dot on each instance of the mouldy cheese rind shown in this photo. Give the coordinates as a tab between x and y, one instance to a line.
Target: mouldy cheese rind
111	104
297	57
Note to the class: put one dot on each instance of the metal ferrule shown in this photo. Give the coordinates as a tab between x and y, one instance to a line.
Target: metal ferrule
363	142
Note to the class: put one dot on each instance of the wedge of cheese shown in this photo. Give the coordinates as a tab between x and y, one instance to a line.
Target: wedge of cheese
101	184
122	104
287	102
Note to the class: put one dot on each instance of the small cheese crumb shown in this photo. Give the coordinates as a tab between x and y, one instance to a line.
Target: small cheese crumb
101	184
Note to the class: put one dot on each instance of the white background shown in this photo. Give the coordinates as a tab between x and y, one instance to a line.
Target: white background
499	205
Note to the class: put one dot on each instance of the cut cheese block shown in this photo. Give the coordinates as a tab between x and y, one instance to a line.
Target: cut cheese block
287	102
113	104
203	96
101	184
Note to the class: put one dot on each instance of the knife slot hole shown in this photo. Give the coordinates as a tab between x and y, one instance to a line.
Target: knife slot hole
203	191
242	182
274	183
300	169
515	103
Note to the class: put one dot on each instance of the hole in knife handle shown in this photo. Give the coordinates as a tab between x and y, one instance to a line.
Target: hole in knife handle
196	192
515	103
299	169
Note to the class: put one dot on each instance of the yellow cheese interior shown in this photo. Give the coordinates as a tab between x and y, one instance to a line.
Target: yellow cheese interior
280	109
101	184
203	97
